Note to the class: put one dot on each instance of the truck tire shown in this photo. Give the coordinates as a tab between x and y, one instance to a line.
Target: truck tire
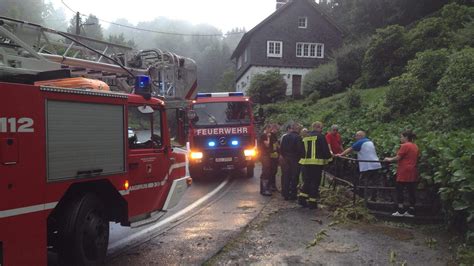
196	172
250	170
84	233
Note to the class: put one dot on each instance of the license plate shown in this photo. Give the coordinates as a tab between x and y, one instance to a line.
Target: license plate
222	160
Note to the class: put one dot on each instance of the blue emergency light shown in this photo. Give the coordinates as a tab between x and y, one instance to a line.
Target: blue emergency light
219	94
142	86
234	142
211	143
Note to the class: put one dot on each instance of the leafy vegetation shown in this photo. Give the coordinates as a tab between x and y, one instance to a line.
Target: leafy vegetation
323	80
385	56
349	62
430	90
267	88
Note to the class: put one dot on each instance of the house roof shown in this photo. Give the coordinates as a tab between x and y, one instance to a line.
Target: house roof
247	36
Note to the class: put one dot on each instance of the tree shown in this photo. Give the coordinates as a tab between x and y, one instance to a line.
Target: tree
405	95
30	10
457	86
226	82
385	56
322	79
349	60
363	17
428	67
267	88
90	27
232	37
55	18
430	33
120	39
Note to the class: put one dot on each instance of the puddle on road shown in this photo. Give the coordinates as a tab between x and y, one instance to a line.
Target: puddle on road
393	232
339	247
245	207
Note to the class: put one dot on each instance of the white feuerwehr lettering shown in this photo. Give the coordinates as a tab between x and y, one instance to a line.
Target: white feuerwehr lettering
221	131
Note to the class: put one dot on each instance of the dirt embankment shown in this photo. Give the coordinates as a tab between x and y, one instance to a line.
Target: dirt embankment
285	233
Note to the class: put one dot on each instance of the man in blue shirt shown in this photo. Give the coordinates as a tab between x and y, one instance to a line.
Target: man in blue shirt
365	149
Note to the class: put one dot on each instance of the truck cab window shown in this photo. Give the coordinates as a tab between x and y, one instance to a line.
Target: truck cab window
144	129
156	133
221	114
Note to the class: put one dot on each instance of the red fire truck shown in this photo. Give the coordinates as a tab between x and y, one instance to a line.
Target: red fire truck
74	159
221	133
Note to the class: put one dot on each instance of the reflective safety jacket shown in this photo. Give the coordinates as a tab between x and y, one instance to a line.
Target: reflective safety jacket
316	150
275	147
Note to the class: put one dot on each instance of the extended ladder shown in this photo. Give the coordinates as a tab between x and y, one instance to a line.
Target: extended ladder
27	50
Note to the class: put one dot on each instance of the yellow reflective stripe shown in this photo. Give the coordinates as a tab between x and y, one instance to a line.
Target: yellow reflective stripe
274	155
310	138
304	195
305	143
315	161
311	200
313	150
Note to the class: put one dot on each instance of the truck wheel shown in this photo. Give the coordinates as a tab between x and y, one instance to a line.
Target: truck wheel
250	169
195	172
84	235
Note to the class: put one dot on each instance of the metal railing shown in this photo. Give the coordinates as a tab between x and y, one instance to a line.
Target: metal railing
380	195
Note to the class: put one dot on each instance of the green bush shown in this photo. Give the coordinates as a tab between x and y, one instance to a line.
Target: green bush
314	97
464	37
430	33
268	87
404	96
353	99
349	61
428	67
448	160
322	79
456	16
385	56
457	87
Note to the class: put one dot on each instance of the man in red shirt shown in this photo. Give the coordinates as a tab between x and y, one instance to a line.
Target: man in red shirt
333	138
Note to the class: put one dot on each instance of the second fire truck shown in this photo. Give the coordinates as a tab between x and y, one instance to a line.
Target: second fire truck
221	133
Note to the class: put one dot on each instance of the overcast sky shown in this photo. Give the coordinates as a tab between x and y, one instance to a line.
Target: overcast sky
223	14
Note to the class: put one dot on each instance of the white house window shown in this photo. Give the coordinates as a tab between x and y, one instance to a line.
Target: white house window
239	62
302	22
274	49
310	50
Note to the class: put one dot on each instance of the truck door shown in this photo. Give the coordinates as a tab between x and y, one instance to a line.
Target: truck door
148	159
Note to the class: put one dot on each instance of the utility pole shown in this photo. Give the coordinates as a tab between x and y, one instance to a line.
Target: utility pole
78	24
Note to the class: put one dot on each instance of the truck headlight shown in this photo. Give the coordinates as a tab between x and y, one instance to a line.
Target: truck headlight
196	155
250	153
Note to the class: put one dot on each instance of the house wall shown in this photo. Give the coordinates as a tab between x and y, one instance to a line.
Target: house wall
284	27
243	83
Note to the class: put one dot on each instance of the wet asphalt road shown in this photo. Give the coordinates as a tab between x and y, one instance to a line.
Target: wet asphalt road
201	232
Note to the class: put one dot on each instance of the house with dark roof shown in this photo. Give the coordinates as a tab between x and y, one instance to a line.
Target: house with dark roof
296	38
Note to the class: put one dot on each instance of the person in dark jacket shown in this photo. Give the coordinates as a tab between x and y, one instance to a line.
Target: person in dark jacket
291	151
264	148
274	154
316	155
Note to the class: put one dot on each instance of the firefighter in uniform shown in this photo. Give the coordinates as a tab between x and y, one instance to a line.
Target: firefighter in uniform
274	154
316	155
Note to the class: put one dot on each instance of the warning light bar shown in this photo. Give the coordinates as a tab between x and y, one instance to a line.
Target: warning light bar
219	94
